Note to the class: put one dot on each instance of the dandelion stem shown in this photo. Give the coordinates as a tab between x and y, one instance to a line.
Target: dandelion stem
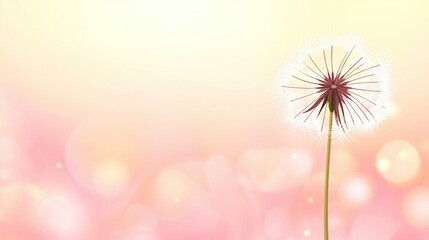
328	160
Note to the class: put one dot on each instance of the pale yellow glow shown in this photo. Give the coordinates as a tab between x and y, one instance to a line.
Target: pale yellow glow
174	186
398	161
392	110
76	57
403	155
383	164
111	177
173	13
171	190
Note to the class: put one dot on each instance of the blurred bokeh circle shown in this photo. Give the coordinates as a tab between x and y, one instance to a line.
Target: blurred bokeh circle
398	161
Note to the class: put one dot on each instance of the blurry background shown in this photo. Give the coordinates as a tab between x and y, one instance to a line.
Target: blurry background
143	119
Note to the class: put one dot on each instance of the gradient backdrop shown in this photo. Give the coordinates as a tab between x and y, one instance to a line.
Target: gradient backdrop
144	119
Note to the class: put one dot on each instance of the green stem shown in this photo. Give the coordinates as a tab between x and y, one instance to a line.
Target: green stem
328	160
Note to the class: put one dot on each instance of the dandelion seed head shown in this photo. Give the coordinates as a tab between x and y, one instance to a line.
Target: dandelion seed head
335	75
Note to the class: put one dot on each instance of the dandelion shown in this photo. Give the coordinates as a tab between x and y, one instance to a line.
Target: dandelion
335	83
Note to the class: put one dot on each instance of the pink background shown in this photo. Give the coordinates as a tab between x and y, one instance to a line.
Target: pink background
159	120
